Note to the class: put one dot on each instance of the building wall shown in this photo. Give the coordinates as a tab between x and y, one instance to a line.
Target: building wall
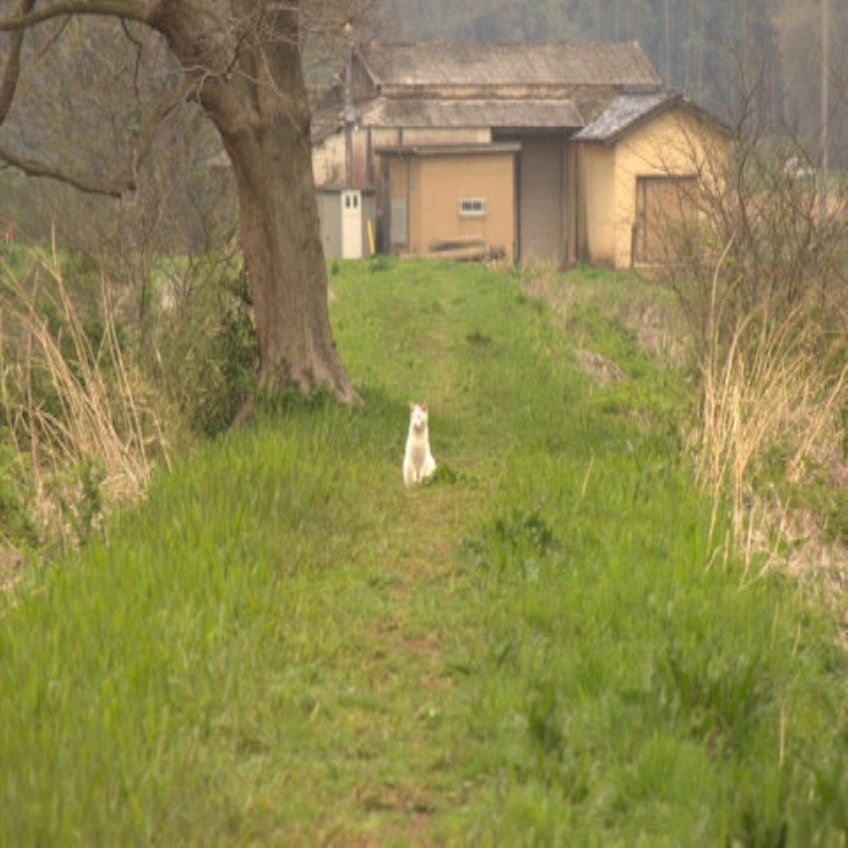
330	219
597	203
542	200
328	157
570	234
328	161
675	143
394	235
451	135
441	182
384	137
433	187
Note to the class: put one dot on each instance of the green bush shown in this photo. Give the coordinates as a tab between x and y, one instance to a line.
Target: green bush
204	342
17	524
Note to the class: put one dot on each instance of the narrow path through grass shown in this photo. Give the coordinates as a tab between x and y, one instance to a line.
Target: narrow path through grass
283	646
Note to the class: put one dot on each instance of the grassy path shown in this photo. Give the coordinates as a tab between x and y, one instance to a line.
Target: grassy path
285	647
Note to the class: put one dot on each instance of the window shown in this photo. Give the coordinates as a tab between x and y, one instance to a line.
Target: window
472	207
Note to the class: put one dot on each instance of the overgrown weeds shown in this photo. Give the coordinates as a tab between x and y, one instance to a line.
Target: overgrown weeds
282	646
96	390
770	422
759	274
201	348
78	419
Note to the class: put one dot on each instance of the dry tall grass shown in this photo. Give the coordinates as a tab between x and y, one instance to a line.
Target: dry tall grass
770	388
71	410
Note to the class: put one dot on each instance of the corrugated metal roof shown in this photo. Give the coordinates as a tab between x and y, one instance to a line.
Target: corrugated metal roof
588	63
425	112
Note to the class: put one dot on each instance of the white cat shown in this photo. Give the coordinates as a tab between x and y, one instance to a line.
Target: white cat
418	462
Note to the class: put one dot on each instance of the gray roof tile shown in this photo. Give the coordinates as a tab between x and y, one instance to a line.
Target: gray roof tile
589	63
428	112
627	110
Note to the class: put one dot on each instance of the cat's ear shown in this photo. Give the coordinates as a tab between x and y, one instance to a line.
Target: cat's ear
411	406
423	405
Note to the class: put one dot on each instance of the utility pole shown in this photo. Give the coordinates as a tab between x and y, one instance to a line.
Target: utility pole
667	42
349	111
825	84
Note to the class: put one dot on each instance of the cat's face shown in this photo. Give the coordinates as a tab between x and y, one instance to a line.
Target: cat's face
418	416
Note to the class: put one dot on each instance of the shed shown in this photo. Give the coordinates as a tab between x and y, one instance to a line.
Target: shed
588	141
641	166
345	216
440	193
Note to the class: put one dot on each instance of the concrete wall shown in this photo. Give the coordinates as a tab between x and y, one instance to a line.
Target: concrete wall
597	203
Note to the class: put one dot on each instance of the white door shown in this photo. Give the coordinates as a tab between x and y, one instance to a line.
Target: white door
352	224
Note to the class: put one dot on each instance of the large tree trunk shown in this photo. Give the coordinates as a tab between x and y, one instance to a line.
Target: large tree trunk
260	106
282	249
241	61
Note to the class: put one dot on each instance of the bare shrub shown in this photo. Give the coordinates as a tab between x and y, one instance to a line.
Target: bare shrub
769	399
760	276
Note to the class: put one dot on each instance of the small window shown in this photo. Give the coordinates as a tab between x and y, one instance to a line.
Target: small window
472	207
347	201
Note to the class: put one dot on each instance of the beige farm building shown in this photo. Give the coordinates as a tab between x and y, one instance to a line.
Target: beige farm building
555	153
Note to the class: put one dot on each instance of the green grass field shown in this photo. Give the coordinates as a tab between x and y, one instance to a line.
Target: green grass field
283	646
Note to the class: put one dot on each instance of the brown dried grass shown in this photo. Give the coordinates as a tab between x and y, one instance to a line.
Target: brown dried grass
768	385
95	420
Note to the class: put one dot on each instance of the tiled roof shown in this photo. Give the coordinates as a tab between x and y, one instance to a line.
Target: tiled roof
427	112
627	110
439	150
587	63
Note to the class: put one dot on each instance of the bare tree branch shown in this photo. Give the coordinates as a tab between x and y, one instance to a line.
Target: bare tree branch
168	102
11	70
60	31
133	10
114	187
124	180
139	49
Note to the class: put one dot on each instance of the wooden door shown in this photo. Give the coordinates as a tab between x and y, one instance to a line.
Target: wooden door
662	204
